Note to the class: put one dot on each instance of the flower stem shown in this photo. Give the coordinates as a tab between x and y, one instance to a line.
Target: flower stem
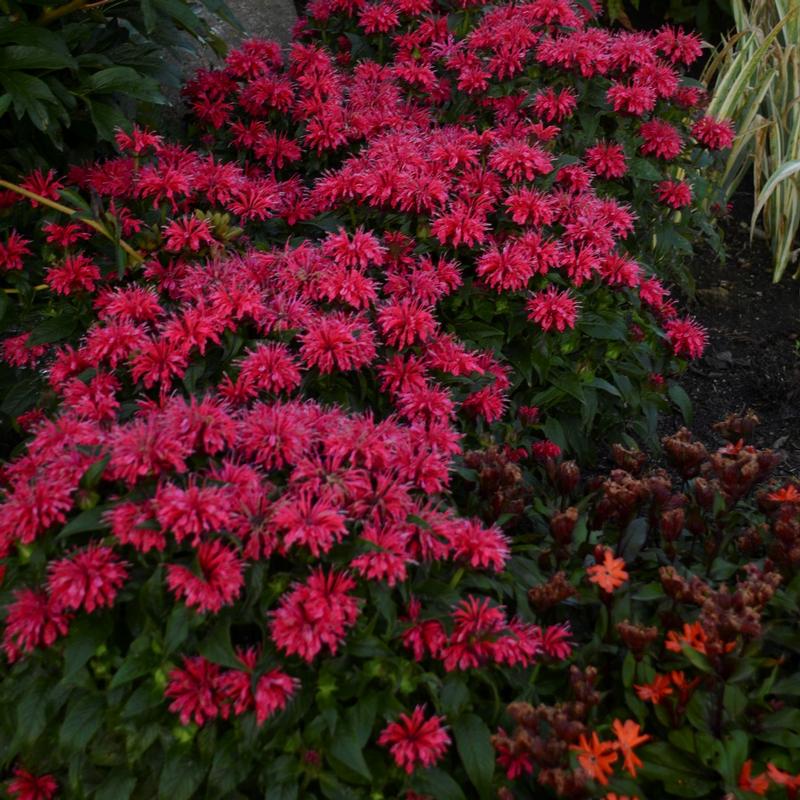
92	223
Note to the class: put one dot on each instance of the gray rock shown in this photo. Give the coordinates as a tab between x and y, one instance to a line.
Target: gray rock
266	19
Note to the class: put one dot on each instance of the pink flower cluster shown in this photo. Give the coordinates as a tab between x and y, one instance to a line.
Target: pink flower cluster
481	635
265	384
201	691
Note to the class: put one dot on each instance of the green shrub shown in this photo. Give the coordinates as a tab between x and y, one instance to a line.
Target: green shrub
72	73
756	78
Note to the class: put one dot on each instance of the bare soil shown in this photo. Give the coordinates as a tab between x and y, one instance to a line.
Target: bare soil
753	358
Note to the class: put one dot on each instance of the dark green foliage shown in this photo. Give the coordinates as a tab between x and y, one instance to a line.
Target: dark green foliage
72	73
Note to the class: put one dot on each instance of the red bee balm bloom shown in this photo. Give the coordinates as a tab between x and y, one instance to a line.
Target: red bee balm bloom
679	46
197	691
315	614
686	337
675	194
12	251
414	740
32	621
89	578
187	233
78	272
607	160
716	134
25	786
218	585
553	309
660	140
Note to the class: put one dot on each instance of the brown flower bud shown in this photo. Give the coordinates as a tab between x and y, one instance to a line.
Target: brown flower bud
704	492
568	476
685	454
632	461
671	523
637	638
562	524
735	427
659	485
555	591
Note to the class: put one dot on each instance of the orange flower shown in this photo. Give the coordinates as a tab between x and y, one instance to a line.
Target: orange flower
656	691
610	574
684	687
596	757
693	635
629	736
756	784
781	778
788	494
732	449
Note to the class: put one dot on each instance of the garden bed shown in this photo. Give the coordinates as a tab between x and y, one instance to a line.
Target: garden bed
752	360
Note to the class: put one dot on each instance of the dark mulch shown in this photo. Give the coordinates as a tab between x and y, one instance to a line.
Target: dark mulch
753	360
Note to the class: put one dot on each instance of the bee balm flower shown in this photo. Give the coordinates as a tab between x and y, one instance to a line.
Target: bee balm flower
414	740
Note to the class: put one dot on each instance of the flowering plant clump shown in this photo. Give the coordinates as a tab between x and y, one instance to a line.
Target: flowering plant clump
526	232
207	531
253	380
681	588
487	146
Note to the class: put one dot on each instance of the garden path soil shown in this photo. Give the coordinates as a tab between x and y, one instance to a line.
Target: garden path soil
752	360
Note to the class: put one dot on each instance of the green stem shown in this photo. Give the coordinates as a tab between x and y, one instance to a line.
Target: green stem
92	223
49	15
457	578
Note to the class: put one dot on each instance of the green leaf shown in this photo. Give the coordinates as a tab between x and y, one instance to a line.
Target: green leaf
228	768
181	777
438	784
697	659
789	686
34	57
119	785
628	670
94	474
134	666
182	14
346	750
177	628
282	791
361	718
52	330
553	431
633	539
125	80
680	772
454	696
106	119
85	636
612	329
644	170
217	647
474	744
20	397
32	97
84	717
22	33
678	396
90	520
